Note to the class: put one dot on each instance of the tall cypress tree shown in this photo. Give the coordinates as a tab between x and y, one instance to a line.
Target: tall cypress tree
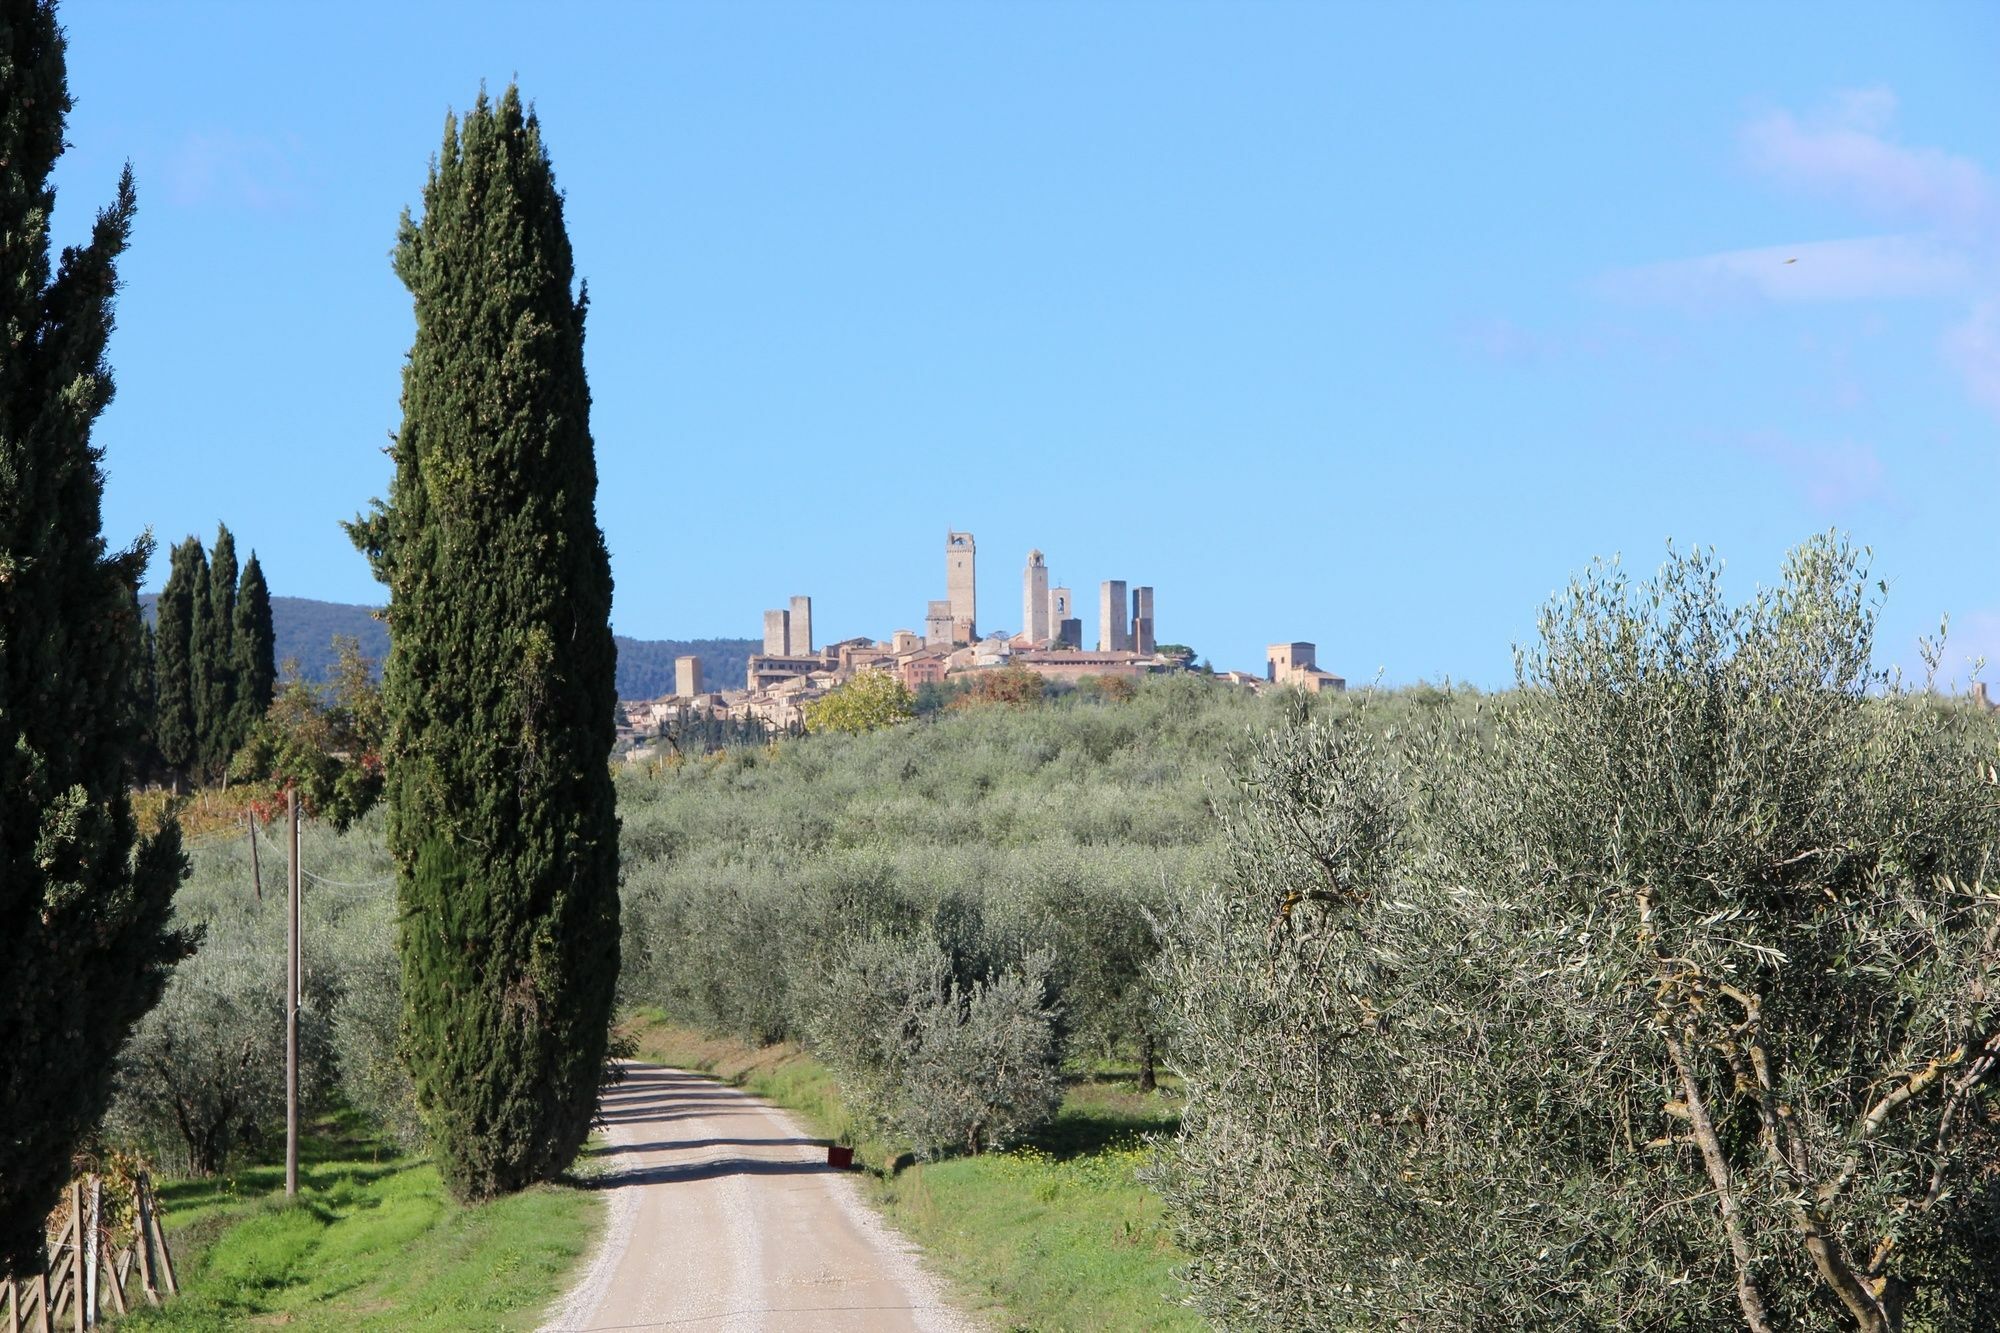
175	731
218	740
201	663
140	693
255	648
84	901
499	680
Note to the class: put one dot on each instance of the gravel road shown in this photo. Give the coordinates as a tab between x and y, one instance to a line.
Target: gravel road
724	1215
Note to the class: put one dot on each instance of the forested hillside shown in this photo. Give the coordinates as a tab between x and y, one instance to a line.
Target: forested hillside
306	629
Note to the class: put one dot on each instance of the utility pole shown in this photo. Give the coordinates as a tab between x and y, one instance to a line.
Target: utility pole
292	1010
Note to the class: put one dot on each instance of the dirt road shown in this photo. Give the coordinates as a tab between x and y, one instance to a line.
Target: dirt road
724	1215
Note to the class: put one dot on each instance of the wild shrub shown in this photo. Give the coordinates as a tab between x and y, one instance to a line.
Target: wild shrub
1663	994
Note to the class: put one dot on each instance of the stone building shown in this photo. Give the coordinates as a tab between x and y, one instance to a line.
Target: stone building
687	677
770	670
777	633
937	623
1296	664
1073	666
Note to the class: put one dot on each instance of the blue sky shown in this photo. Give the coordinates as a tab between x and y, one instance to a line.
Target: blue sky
1361	324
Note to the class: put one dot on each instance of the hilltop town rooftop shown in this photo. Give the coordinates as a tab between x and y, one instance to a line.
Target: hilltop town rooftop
791	672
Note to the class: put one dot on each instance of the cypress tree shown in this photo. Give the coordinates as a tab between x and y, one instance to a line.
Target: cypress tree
201	663
140	692
174	726
218	740
254	647
84	900
499	682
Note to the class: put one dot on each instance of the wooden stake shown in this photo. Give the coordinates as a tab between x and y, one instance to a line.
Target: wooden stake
142	1242
292	1011
166	1255
90	1302
121	1269
12	1303
42	1303
256	872
76	1253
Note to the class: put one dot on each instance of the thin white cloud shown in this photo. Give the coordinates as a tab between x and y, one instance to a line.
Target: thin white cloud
1832	476
1972	346
1861	268
1845	152
246	171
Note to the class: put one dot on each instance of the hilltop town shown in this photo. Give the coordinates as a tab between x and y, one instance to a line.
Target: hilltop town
792	671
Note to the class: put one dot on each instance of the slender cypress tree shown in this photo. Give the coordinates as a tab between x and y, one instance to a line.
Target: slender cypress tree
499	683
255	647
84	901
218	740
140	694
201	663
174	725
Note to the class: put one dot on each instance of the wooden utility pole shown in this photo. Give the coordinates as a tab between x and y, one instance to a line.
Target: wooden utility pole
292	1010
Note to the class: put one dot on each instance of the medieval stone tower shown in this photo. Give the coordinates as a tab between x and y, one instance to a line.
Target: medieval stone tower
958	586
1035	600
799	628
1114	631
1064	624
1142	621
687	676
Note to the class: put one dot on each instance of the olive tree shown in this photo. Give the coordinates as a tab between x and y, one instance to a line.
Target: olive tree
949	1066
1664	993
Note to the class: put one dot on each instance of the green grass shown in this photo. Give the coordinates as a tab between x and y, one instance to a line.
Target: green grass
373	1241
1060	1235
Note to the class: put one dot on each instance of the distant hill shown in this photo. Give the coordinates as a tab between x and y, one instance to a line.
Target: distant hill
305	630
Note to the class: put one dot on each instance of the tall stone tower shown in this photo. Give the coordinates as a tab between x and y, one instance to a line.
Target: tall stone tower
958	586
687	676
1064	624
937	624
1035	600
1114	631
1142	620
777	633
799	631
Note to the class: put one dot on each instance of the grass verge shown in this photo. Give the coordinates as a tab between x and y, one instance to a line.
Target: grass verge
1059	1235
372	1242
